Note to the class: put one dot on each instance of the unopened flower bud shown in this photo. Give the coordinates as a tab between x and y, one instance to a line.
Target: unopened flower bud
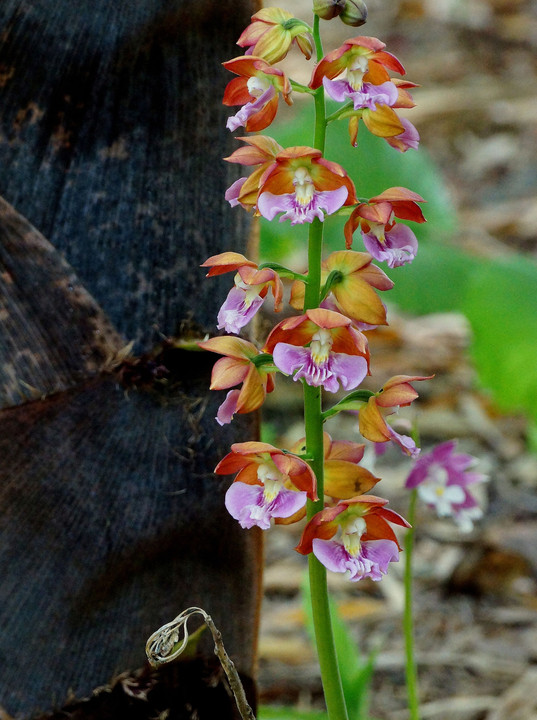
354	13
328	9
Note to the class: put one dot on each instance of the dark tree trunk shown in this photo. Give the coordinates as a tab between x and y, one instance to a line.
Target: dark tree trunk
111	521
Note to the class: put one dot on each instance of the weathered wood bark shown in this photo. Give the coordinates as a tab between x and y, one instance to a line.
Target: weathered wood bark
111	522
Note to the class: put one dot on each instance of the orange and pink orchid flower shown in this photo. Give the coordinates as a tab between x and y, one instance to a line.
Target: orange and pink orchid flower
238	367
272	32
257	89
354	277
269	483
302	184
383	238
247	295
368	85
366	544
259	150
322	347
396	392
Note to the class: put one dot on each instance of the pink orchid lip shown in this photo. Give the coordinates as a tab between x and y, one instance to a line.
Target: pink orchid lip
235	313
368	96
349	370
399	247
240	119
233	192
228	408
409	139
249	505
371	562
269	205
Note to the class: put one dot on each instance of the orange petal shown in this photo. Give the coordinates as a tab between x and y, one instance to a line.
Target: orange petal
371	424
344	480
262	119
228	372
236	92
226	262
231	346
252	394
383	121
358	300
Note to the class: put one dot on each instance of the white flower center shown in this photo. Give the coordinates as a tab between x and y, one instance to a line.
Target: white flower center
356	72
321	344
257	86
272	480
353	530
304	188
251	292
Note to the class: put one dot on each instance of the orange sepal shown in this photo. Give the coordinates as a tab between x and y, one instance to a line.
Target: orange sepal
371	423
383	122
398	391
344	480
226	262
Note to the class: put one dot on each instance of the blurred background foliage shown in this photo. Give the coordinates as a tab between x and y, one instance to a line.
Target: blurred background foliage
497	295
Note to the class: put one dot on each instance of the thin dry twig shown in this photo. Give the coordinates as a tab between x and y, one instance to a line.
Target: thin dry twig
165	645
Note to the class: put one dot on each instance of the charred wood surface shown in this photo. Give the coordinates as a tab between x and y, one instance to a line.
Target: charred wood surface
111	521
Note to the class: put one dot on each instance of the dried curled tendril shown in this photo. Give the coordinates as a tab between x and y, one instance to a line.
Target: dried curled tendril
169	641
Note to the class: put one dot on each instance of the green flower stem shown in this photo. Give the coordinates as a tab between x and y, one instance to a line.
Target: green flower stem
408	621
326	650
298	87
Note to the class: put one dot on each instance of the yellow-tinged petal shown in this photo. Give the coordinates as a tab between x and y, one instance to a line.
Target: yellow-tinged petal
226	262
383	122
398	391
252	394
347	261
371	424
358	300
228	372
328	319
231	346
344	480
345	450
298	291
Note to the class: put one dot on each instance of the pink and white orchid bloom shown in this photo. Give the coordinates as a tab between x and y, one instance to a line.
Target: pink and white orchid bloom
354	537
442	478
368	85
251	287
257	89
383	238
260	151
304	186
238	367
322	347
269	483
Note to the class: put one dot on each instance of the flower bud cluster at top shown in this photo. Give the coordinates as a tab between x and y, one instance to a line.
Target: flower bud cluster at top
325	346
